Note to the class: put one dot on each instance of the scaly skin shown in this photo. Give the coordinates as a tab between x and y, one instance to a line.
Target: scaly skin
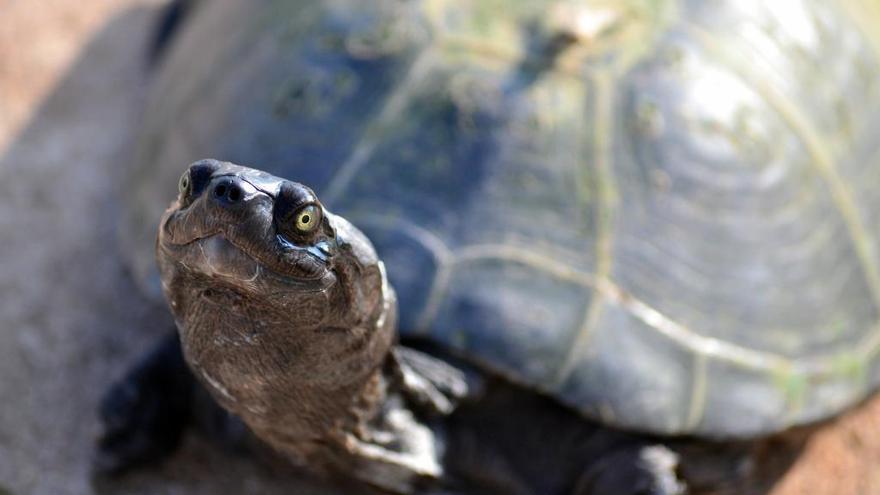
285	316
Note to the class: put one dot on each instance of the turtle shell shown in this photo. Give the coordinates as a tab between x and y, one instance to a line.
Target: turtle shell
664	214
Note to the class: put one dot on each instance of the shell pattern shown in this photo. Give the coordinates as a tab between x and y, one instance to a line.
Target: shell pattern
663	213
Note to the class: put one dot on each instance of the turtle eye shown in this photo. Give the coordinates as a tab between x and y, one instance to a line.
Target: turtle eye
184	183
307	218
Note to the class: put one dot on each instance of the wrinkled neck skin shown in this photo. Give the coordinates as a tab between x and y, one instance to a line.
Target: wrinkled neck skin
302	369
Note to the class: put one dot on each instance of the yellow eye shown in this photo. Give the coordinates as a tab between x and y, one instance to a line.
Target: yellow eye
183	183
307	218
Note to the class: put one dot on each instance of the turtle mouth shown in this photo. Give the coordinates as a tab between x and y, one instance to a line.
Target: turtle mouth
222	258
213	255
176	230
216	256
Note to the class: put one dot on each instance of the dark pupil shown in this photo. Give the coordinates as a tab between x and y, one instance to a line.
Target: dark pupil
306	218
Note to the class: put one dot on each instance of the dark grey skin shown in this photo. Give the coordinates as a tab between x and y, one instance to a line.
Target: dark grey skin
286	318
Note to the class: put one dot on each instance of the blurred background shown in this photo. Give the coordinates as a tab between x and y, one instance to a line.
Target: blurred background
72	77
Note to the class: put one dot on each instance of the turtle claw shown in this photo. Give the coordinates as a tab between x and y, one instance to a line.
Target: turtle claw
432	384
144	415
643	470
400	455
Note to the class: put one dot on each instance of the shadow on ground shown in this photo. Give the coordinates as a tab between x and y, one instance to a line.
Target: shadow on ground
72	319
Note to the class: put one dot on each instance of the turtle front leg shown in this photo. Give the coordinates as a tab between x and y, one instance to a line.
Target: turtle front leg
143	416
635	470
400	454
429	383
402	450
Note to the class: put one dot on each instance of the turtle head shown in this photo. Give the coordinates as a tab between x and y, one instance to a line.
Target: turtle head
268	289
237	231
242	226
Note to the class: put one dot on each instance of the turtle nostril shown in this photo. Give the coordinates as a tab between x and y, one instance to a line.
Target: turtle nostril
228	192
220	191
234	193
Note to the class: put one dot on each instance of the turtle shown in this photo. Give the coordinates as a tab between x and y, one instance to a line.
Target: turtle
610	234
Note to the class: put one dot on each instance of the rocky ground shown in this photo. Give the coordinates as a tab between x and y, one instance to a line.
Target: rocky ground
71	79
